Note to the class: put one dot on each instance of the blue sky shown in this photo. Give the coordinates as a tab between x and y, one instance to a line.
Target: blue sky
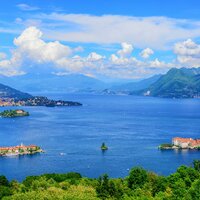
171	8
123	39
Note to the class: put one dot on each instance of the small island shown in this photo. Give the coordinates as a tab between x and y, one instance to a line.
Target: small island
20	150
182	143
14	113
104	147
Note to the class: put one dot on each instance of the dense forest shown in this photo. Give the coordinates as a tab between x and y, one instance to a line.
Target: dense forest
140	184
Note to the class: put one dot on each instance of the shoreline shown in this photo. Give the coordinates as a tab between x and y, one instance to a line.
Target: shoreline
21	154
177	148
20	150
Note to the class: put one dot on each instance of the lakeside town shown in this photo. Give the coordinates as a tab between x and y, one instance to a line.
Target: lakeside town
20	150
36	101
182	143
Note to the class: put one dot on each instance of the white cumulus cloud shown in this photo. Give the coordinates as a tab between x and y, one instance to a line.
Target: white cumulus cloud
188	53
146	53
94	57
31	49
126	50
31	46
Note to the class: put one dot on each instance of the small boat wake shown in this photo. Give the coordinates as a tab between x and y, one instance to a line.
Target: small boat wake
62	154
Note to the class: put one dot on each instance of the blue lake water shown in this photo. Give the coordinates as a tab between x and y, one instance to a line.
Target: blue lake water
132	127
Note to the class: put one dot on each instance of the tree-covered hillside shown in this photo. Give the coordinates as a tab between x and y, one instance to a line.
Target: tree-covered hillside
184	184
177	83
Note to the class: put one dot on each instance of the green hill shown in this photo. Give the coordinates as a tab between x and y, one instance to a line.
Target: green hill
177	83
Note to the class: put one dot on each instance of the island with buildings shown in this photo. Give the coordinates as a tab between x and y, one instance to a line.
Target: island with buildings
182	143
20	150
14	113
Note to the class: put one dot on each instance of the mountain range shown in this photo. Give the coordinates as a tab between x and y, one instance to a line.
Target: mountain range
53	83
73	83
135	85
176	83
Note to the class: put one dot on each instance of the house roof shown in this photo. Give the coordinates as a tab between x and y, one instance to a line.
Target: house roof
192	142
17	147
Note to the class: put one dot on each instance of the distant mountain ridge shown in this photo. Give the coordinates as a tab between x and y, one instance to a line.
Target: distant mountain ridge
8	92
53	83
176	83
72	83
137	85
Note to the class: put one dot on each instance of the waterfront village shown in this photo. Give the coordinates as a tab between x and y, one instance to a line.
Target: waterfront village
36	101
20	150
182	143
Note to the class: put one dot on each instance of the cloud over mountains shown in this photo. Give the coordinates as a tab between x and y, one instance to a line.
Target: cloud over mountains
188	53
31	49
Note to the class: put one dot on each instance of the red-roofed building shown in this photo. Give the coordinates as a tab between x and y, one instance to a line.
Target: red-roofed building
186	142
18	149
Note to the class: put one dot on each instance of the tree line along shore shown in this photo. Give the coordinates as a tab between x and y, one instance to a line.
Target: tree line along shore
140	184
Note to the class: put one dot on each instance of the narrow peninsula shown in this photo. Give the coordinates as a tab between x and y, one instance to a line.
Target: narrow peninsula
20	150
36	101
12	97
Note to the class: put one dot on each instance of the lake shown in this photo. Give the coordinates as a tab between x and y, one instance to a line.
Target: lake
132	127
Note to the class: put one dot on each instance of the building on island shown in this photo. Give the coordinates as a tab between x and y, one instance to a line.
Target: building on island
19	111
20	149
186	143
